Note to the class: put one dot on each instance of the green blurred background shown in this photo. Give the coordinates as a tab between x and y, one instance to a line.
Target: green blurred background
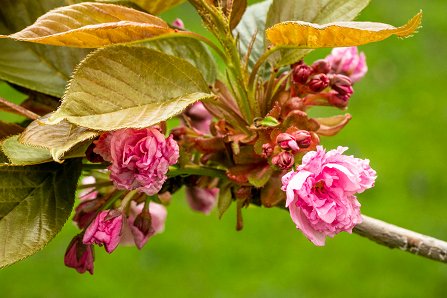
400	117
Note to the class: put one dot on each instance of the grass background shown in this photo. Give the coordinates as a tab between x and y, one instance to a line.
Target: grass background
400	117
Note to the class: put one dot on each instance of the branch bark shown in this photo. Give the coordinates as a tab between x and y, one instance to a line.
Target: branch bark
406	240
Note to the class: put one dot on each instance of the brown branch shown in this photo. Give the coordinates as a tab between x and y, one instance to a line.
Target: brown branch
397	237
16	109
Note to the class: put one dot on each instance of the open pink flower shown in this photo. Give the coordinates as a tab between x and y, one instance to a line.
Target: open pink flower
105	230
321	193
79	256
349	62
135	235
140	158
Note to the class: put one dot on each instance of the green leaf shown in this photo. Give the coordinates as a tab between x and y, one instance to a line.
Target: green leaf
92	25
118	87
253	22
225	198
189	49
313	11
37	67
21	155
35	203
260	176
58	138
268	121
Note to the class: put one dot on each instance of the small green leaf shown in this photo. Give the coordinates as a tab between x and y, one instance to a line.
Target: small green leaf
268	121
35	203
58	138
118	87
253	22
260	176
37	67
189	49
21	155
225	198
313	11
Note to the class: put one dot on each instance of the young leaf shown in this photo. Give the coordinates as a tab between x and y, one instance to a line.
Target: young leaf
260	176
42	68
22	155
313	11
339	34
225	198
92	25
189	49
152	6
35	203
118	87
58	138
253	22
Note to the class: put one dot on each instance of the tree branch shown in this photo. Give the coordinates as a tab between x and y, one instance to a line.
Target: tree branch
397	237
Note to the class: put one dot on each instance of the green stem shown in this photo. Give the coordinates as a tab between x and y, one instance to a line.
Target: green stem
96	185
196	170
94	166
252	79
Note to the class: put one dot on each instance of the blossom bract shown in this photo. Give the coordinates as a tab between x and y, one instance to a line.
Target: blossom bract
321	192
105	230
349	62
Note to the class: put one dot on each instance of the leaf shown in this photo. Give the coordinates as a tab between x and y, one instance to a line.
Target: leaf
119	87
92	25
58	138
313	11
152	6
35	203
225	198
253	22
339	34
260	176
189	49
9	129
22	155
42	68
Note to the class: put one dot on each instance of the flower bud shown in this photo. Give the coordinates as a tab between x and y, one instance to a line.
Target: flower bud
143	222
283	160
342	84
105	230
338	100
202	199
267	150
85	212
318	82
303	138
321	66
287	142
79	256
301	73
178	23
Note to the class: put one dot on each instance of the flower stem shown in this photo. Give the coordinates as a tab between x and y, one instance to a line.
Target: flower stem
196	170
396	237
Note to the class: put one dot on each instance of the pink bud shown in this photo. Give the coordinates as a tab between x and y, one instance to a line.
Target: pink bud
349	62
301	73
287	142
105	230
342	84
318	82
267	150
85	212
338	100
202	199
200	117
283	160
321	66
178	23
79	256
303	138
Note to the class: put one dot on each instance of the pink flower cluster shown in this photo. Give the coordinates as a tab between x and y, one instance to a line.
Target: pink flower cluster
140	158
321	192
349	62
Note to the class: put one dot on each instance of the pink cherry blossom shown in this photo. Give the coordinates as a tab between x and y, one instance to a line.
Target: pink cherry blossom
79	256
321	192
200	117
202	199
349	62
105	230
132	235
140	158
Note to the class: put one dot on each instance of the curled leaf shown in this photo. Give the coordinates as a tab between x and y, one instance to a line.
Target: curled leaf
153	6
330	126
91	25
339	34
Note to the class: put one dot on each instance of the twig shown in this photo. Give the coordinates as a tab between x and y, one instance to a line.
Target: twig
397	237
12	107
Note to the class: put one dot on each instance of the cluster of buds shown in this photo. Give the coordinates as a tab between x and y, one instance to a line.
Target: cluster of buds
329	81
